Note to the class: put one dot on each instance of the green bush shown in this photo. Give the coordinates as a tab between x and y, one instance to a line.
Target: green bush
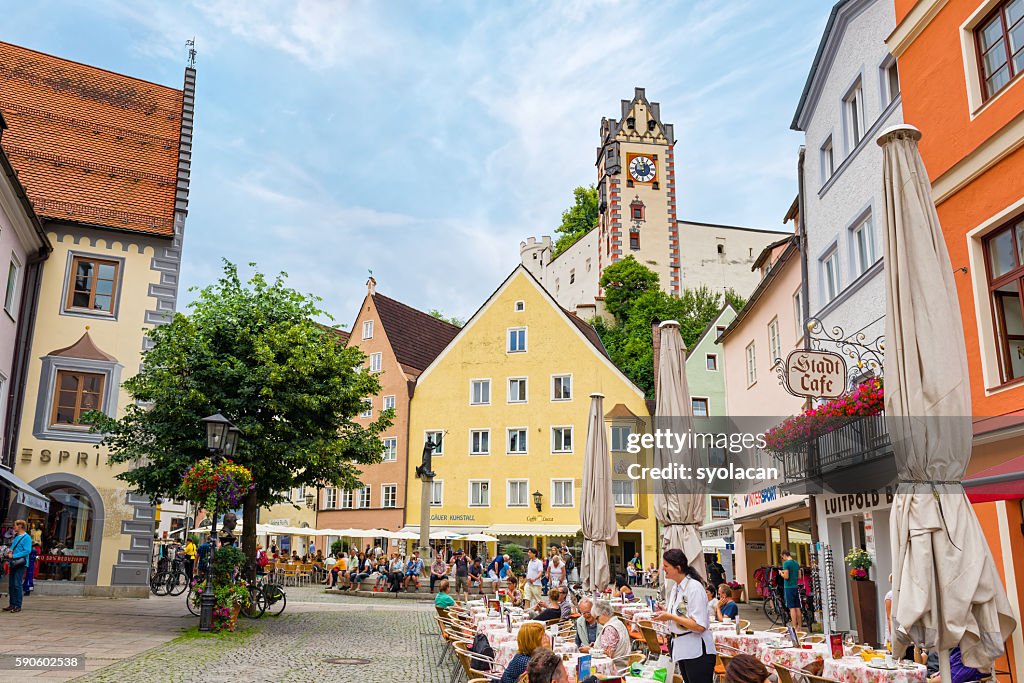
337	548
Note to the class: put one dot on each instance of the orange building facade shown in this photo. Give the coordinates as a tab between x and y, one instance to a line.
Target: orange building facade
961	66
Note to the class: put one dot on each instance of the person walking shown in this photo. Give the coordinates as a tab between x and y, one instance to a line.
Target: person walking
556	572
686	616
791	575
534	573
716	572
190	551
21	548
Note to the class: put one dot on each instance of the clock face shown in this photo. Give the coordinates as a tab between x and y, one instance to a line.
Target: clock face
642	169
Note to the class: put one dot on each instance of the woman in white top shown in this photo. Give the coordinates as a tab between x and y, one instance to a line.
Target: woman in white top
686	616
712	605
556	572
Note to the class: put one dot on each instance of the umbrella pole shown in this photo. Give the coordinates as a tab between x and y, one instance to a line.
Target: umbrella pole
944	670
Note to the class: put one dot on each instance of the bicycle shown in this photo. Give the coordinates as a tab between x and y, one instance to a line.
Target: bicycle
265	597
170	582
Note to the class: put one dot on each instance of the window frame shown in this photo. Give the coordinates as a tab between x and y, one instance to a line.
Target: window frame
889	66
519	306
526	440
427	434
707	405
368	412
711	507
563	377
376	359
394	452
367	327
831	287
469	499
632	493
330	498
472	386
1012	72
435	485
624	441
367	493
634	239
78	409
993	284
508	339
67	296
554	439
347	500
508	493
711	362
827	153
384	496
798	309
854	116
774	342
560	483
750	352
481	430
384	402
12	288
525	386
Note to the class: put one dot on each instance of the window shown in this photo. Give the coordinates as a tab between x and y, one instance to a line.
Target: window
634	240
711	361
367	409
830	275
638	211
620	437
890	81
1000	42
719	331
517	340
853	115
11	294
389	495
375	362
330	498
1004	251
479	494
863	239
521	305
480	392
721	248
561	439
346	499
561	387
389	403
517	493
77	393
437	438
517	390
622	492
588	265
480	442
719	507
751	364
798	311
390	449
828	160
364	497
437	493
93	285
561	493
700	407
572	276
774	342
517	440
368	329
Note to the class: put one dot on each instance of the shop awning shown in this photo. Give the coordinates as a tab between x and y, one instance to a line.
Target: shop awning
774	512
533	529
1001	482
24	494
720	529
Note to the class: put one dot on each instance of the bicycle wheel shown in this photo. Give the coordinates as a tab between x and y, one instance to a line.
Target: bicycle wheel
177	583
257	604
158	584
192	599
275	599
770	611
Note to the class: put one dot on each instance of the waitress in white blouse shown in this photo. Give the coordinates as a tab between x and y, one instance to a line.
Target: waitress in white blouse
686	617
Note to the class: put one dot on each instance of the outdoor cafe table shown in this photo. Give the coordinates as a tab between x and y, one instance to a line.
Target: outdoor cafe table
855	670
791	657
746	643
603	667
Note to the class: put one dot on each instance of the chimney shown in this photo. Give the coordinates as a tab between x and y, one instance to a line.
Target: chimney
371	286
656	341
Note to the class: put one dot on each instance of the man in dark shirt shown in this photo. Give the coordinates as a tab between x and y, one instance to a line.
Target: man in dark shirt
476	573
716	573
461	564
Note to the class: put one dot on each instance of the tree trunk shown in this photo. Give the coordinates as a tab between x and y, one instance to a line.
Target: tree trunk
249	514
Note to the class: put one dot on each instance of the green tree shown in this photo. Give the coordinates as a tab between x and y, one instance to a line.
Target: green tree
253	352
623	283
578	219
451	320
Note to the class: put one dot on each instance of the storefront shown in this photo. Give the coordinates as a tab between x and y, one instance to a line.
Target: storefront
767	522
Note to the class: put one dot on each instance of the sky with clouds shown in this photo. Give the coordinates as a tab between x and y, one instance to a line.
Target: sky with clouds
424	140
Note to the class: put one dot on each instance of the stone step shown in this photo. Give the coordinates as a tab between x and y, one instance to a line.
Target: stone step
418	595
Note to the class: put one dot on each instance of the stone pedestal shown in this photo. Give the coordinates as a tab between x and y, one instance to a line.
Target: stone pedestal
865	608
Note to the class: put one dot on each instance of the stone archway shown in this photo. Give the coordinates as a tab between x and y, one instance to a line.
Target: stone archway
49	481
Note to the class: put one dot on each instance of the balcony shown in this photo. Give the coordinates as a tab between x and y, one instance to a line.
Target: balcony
854	457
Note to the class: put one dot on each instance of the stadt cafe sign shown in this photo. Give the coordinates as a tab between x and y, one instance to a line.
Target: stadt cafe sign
815	374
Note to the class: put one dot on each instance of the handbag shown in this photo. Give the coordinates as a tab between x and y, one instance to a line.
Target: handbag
17	563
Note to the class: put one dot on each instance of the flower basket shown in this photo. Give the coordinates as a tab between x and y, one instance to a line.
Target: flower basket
859	562
216	487
793	433
739	591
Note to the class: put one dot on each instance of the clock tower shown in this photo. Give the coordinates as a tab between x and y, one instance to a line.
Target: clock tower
637	191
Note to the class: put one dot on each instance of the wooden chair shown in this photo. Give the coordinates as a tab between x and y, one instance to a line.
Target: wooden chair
744	624
290	572
721	664
778	629
815	638
466	659
652	640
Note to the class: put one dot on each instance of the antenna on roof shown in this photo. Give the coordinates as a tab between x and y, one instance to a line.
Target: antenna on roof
191	45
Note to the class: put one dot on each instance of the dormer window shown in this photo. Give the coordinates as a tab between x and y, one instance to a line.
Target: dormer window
650	125
631	123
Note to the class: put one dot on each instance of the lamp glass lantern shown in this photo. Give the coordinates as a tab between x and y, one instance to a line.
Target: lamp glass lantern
217	427
231	441
537	496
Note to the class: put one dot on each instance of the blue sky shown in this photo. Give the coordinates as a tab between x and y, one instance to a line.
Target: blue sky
425	140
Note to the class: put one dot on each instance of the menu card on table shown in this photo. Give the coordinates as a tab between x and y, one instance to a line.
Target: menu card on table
583	668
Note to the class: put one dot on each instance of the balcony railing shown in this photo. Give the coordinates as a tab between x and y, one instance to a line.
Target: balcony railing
828	460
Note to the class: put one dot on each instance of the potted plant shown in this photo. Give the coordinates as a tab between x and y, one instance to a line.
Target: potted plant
864	594
739	591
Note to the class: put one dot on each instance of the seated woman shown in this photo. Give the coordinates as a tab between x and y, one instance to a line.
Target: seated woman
712	604
515	595
531	638
551	609
337	571
626	594
614	640
746	668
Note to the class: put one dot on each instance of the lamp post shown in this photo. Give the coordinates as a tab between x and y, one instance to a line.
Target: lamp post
537	496
221	440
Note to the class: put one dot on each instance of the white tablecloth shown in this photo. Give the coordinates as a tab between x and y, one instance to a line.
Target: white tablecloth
856	670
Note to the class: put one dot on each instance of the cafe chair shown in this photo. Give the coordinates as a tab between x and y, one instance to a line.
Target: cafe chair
744	624
651	640
466	659
816	638
721	664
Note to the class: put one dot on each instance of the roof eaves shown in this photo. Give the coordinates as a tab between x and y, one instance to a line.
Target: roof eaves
767	251
711	325
762	287
19	190
727	227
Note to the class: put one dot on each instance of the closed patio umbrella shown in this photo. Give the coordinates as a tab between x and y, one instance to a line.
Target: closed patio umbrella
946	591
678	506
597	513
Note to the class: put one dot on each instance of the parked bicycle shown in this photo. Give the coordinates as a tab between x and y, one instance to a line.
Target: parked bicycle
171	581
772	588
265	596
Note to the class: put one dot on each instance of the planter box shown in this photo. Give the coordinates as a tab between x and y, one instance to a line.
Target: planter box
865	610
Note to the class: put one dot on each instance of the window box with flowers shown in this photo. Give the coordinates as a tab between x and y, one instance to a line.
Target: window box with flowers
866	400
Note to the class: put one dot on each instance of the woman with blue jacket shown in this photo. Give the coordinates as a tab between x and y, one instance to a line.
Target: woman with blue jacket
21	547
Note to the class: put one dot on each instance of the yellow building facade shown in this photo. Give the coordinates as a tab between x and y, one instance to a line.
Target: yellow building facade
510	397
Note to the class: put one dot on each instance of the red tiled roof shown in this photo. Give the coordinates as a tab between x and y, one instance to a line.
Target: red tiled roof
417	338
91	146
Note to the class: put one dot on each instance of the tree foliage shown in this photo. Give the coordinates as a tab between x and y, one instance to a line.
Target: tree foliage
578	219
451	320
253	352
636	302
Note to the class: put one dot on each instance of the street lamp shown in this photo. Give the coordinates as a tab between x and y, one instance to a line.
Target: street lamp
537	495
221	440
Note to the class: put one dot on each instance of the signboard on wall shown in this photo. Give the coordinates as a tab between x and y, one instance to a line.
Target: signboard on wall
756	547
815	374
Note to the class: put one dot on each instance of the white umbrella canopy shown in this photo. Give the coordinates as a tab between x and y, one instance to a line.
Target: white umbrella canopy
597	513
946	591
405	535
477	537
678	506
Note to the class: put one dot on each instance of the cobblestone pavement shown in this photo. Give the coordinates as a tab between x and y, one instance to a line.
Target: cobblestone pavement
395	639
